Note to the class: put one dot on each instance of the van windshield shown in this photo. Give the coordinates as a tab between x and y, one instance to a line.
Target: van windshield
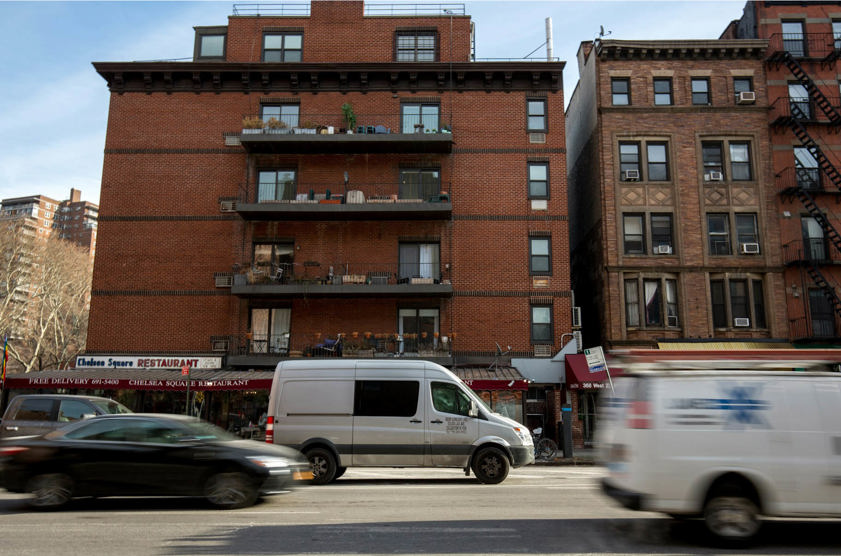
111	407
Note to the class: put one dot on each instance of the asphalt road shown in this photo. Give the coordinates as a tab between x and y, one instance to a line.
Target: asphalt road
537	510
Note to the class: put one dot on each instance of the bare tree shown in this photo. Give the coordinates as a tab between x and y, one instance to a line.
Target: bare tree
49	308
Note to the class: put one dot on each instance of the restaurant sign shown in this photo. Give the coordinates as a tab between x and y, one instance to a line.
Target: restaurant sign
146	362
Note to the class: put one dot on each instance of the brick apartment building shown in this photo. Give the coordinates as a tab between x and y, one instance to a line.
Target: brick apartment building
72	219
801	65
340	170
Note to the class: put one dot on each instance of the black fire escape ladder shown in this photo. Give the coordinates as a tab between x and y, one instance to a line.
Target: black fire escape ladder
829	230
795	122
827	288
816	94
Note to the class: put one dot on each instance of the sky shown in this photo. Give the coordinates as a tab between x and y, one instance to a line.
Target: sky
54	106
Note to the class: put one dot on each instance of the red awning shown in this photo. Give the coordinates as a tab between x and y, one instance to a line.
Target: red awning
579	376
162	380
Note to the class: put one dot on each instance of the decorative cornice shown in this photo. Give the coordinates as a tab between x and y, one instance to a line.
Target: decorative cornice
750	49
218	77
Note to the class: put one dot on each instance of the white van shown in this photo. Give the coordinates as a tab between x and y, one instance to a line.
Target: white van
725	445
385	413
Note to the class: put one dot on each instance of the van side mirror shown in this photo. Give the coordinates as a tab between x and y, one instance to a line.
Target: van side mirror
88	415
474	410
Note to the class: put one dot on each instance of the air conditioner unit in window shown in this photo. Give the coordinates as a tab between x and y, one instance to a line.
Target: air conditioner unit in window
746	97
223	279
219	345
749	248
663	249
671	320
542	351
576	317
715	176
741	322
631	175
227	206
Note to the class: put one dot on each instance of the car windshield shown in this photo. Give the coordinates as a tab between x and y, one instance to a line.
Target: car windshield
111	407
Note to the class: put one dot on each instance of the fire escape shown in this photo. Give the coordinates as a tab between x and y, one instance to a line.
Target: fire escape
807	183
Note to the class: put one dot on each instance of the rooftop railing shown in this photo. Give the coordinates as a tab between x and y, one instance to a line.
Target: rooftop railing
302	9
370	124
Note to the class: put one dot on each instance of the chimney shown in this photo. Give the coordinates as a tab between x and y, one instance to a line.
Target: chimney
75	195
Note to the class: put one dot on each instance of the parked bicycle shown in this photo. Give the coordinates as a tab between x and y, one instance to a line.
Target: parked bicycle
544	448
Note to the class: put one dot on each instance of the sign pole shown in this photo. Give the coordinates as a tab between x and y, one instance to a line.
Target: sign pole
185	370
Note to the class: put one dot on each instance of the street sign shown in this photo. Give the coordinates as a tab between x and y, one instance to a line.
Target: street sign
595	359
185	370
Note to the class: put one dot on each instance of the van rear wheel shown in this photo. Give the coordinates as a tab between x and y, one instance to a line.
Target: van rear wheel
733	519
324	466
490	466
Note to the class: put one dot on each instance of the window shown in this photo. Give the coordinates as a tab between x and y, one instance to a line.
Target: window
270	330
536	115
836	34
700	90
746	229
711	154
419	260
286	113
541	324
418	117
823	317
740	167
35	409
73	410
419	183
742	85
538	180
282	47
210	43
659	295
629	161
540	260
793	38
449	398
658	164
620	88
417	329
386	398
634	239
798	98
718	233
737	302
269	257
814	241
276	185
662	241
416	46
662	91
806	170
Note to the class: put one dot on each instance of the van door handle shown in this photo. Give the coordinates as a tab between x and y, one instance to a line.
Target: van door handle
415	421
11	428
437	421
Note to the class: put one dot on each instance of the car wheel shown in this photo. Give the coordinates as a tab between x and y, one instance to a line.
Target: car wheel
732	519
490	466
230	490
324	467
50	491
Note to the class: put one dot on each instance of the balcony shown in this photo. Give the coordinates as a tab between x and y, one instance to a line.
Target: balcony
781	112
255	349
329	134
313	279
821	46
369	201
792	179
810	251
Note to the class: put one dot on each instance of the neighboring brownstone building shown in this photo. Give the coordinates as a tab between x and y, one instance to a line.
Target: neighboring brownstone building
802	75
336	171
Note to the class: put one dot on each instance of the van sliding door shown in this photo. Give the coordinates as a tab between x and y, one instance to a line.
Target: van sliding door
388	422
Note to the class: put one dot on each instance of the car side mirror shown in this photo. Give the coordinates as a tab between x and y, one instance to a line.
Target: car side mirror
88	416
474	410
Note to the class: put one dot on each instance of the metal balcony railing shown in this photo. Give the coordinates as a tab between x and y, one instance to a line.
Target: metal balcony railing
339	273
340	344
814	251
350	193
781	109
794	178
330	124
807	45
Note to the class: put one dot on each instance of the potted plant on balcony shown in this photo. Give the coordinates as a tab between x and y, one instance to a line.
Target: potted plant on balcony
277	126
252	124
350	117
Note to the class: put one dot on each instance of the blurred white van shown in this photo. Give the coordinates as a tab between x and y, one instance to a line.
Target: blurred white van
386	413
726	445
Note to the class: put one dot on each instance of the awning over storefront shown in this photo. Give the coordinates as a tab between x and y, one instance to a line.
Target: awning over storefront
722	345
162	380
494	378
579	376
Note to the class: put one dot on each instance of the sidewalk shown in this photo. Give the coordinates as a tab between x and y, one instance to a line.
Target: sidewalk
580	456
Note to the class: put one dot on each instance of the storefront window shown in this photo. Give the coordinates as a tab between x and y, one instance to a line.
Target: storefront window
508	403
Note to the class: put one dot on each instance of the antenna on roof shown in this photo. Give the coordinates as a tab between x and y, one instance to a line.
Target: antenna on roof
499	353
602	33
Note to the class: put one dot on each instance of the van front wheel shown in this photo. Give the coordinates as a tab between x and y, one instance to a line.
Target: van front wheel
732	519
324	465
490	466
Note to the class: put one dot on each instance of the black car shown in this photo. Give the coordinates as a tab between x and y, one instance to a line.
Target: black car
147	454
